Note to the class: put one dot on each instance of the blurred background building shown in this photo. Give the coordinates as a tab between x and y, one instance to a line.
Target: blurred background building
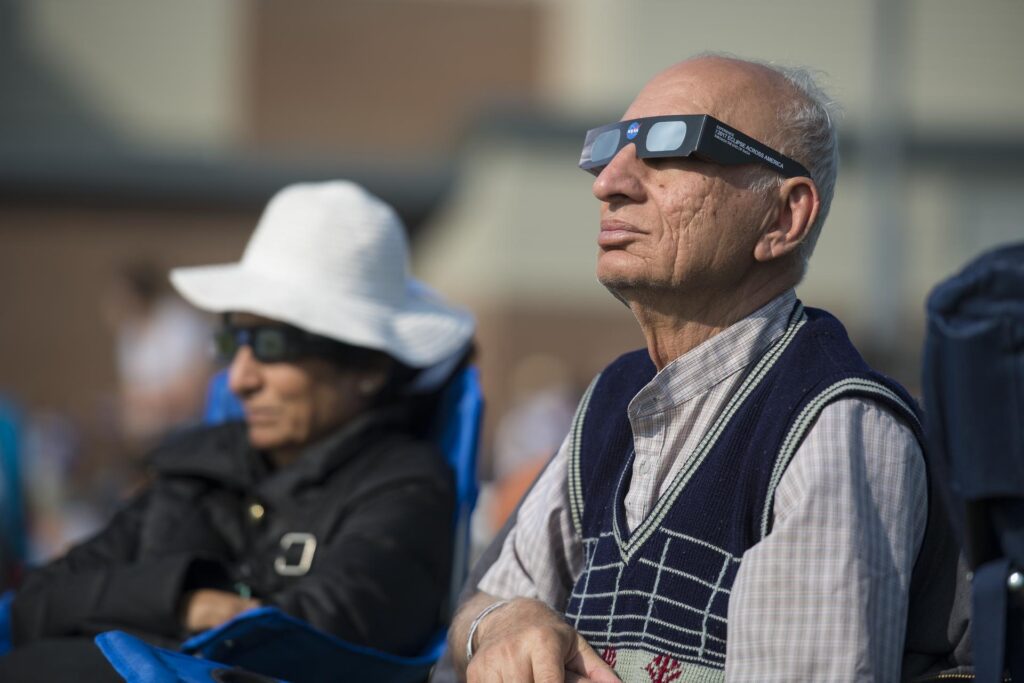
137	131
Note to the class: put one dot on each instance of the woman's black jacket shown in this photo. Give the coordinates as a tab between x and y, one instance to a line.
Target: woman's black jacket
376	502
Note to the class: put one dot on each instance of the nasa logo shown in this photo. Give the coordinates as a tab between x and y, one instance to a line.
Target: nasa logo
633	130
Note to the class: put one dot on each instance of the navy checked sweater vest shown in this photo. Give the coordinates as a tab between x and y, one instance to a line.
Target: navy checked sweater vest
654	602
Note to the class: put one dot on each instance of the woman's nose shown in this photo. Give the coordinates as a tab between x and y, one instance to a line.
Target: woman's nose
244	375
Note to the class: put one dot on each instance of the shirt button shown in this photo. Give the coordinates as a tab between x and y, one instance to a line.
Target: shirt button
645	466
256	512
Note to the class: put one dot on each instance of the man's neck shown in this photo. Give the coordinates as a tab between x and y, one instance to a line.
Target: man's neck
674	322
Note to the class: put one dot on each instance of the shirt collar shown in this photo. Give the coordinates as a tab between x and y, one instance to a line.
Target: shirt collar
716	359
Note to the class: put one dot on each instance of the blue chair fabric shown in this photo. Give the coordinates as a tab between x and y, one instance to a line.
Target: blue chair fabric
5	622
138	662
458	430
13	539
271	642
973	382
221	404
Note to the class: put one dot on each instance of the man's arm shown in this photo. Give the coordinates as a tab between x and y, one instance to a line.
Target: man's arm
523	640
824	595
444	670
526	639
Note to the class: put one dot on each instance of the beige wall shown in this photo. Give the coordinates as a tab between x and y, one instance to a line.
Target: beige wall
299	77
393	78
963	60
165	74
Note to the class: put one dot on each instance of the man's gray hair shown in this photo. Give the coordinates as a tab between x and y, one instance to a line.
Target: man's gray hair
807	132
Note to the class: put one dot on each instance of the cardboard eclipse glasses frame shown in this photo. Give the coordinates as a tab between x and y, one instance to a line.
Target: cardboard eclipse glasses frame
683	135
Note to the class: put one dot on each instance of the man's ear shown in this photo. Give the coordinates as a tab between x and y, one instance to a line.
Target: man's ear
790	221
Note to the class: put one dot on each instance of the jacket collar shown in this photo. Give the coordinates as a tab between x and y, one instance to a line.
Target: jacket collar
223	454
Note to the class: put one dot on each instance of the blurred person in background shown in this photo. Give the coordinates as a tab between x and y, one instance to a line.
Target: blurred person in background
162	353
62	509
327	501
163	362
543	401
744	499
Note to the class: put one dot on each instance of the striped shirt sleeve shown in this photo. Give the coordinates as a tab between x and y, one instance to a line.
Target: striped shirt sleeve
823	597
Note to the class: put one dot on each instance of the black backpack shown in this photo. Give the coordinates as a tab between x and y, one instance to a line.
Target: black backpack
973	384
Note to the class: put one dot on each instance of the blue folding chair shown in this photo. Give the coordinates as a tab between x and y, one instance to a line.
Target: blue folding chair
12	515
5	622
139	661
221	405
269	642
458	433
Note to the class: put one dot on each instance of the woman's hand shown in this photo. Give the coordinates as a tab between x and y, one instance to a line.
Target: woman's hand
206	608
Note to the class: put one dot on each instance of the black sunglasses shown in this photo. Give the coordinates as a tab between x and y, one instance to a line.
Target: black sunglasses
701	135
272	343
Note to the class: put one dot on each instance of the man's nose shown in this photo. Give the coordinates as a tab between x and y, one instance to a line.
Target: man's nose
621	177
244	375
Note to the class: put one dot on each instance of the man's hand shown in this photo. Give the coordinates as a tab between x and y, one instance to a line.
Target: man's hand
526	641
206	608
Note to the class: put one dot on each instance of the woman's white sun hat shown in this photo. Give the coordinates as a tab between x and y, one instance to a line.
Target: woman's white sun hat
332	259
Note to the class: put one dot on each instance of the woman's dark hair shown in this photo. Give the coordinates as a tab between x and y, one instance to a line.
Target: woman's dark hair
399	375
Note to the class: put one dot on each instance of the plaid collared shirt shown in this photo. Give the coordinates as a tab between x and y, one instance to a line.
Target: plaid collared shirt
824	595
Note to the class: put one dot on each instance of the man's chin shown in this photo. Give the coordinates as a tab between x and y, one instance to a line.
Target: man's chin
620	289
618	270
619	284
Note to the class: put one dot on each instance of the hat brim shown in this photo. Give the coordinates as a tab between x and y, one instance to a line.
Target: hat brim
421	332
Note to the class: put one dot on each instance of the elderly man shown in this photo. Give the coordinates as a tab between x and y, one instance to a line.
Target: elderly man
744	499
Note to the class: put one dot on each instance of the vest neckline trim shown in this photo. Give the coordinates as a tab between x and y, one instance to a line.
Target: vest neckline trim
630	542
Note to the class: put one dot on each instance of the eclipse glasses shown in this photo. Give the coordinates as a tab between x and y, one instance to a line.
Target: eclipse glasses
683	135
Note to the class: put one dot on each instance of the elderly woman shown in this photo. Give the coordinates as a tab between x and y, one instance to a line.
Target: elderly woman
326	501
